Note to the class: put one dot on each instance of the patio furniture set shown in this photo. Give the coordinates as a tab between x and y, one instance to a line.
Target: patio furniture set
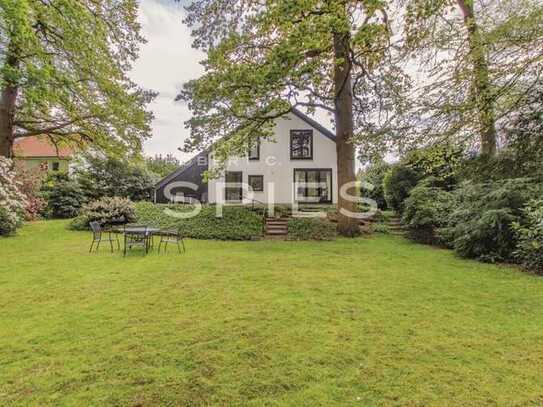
135	236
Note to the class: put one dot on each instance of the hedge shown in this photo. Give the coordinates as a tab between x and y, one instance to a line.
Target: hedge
311	229
236	223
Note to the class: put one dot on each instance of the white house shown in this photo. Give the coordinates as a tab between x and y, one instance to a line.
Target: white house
298	165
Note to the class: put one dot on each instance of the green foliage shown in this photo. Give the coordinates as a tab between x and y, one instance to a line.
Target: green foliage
64	196
263	59
529	251
481	226
69	62
397	184
237	223
426	211
8	223
106	211
375	176
162	165
479	68
439	162
379	227
100	177
311	229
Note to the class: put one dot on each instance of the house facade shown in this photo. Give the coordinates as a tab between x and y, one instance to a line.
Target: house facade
39	152
297	166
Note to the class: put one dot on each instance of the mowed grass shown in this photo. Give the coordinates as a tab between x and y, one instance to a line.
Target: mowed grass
370	321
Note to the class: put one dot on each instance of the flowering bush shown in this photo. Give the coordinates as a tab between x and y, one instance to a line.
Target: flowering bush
30	182
107	210
12	200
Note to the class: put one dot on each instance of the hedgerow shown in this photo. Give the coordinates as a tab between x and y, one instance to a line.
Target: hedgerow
311	229
236	223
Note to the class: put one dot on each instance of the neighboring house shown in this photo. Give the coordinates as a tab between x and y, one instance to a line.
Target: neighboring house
298	165
38	150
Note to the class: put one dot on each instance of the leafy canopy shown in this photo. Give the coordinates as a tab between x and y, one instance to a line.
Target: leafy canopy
502	44
263	59
69	62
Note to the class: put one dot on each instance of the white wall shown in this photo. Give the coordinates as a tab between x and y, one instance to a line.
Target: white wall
277	167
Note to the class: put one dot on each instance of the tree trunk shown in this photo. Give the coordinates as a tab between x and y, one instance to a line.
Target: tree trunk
481	86
347	225
8	100
7	110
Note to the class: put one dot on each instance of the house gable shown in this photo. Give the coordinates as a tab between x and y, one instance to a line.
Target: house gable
274	163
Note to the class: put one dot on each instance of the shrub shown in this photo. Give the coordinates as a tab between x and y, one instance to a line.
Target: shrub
379	227
101	177
311	229
8	222
440	162
12	200
30	182
529	250
426	212
237	223
375	175
107	210
397	184
64	196
481	226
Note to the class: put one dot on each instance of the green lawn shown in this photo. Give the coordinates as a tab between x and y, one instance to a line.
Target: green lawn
371	321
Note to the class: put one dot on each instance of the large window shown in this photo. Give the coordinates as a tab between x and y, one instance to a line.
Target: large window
233	191
301	144
254	151
256	182
313	185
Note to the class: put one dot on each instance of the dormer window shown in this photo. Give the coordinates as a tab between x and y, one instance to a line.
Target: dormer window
254	151
301	144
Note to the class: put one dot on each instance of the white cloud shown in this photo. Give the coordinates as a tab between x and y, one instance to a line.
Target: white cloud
166	61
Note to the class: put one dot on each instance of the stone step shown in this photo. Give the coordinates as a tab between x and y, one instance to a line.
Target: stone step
277	222
276	227
305	215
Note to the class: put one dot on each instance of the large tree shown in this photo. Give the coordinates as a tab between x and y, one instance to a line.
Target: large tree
477	60
63	73
266	58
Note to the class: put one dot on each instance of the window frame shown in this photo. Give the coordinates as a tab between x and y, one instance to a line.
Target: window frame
318	170
262	182
294	133
257	158
240	188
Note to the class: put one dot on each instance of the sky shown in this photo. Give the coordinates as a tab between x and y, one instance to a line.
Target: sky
166	61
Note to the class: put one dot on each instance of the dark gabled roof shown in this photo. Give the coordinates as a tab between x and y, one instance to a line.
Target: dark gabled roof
314	124
180	170
327	133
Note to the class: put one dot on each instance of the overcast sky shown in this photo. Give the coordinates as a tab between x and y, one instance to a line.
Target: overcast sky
166	61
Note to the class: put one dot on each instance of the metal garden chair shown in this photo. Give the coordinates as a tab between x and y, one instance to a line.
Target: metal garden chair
98	236
171	236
